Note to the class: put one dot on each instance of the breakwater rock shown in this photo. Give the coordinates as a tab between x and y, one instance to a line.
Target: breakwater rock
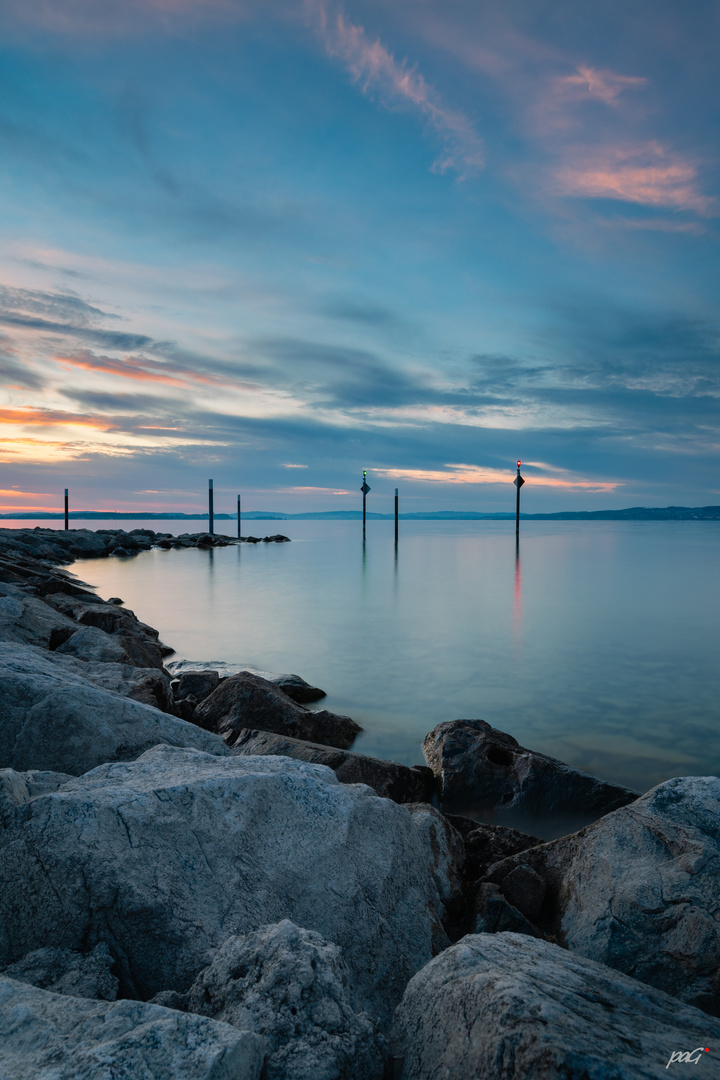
298	911
66	545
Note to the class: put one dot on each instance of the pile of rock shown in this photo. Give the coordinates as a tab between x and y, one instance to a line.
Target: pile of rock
200	879
51	546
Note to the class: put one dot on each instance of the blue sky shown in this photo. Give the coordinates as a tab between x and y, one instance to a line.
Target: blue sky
276	244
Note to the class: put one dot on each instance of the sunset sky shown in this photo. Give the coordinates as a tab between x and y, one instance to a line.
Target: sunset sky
275	243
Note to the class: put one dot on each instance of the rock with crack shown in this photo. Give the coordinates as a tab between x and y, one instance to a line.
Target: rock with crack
46	1035
166	857
637	890
479	766
291	986
505	1006
54	719
247	701
401	783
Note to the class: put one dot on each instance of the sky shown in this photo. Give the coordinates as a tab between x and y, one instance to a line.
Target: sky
279	243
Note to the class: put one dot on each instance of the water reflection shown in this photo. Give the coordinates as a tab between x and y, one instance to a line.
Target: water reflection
517	595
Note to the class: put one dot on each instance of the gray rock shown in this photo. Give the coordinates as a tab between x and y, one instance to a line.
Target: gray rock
28	620
292	987
505	1007
149	685
92	643
494	913
53	719
66	971
295	687
483	768
168	856
488	844
196	684
638	890
400	783
46	1036
17	788
247	701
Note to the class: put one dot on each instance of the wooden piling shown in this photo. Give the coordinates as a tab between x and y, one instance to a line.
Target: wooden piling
211	518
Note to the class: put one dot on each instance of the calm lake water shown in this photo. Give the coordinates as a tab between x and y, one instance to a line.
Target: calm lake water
598	645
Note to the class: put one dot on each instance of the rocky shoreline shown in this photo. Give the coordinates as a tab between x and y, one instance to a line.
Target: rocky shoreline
200	880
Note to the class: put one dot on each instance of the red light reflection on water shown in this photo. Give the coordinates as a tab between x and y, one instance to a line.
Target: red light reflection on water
517	598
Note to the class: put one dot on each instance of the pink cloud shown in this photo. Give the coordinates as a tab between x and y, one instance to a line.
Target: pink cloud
476	474
372	65
645	174
592	83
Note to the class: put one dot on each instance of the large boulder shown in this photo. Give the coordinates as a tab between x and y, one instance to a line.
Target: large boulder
292	987
166	857
293	685
47	1036
505	1006
480	767
247	701
637	890
401	783
54	719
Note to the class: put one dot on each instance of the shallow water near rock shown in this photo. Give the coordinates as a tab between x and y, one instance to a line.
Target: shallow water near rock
597	645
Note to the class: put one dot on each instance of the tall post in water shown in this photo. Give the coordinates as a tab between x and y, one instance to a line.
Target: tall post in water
239	518
518	482
67	515
396	516
365	488
211	518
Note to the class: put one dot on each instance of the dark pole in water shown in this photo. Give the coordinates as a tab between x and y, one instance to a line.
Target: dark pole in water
518	482
239	517
365	488
396	515
211	519
66	509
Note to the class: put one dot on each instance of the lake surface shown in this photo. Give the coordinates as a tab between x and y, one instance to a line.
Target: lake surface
599	644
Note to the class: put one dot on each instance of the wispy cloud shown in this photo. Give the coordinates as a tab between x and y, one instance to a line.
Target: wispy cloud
477	474
646	174
373	66
588	83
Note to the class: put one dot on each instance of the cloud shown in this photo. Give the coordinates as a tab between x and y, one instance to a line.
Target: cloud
374	67
645	174
477	474
593	84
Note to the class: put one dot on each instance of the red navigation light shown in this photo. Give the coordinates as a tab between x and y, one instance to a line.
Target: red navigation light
519	464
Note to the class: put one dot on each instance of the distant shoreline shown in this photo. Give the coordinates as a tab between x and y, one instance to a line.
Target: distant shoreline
634	513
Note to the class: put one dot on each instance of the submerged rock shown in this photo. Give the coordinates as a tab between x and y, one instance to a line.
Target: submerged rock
247	701
291	986
479	766
69	1038
166	857
400	783
505	1006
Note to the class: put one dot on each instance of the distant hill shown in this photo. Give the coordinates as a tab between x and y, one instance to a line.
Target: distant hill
633	513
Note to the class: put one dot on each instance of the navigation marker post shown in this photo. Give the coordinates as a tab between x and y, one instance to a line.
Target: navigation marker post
396	516
239	517
365	488
518	482
211	518
66	509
